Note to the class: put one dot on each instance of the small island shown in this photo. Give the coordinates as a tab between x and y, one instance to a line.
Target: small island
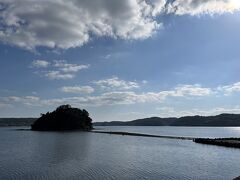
63	118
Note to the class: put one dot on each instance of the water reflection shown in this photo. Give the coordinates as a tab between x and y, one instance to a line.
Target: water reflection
31	155
59	147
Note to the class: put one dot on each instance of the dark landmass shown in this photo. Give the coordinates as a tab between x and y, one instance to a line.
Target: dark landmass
153	121
16	121
63	118
227	142
218	120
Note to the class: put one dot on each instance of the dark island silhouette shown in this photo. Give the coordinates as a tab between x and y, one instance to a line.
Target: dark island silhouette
63	118
220	120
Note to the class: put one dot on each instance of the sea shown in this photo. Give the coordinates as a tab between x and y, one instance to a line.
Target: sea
30	155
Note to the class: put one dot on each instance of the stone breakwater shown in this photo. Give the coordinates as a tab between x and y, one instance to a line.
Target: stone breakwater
143	135
227	142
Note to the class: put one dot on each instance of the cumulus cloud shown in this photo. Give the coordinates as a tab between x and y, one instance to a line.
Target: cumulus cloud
27	100
58	69
196	7
40	63
158	6
126	96
67	24
109	98
66	67
24	98
114	97
192	90
116	84
166	111
229	89
53	75
78	89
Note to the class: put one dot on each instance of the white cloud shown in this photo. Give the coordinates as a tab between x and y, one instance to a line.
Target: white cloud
129	97
192	90
185	91
170	111
111	98
229	89
196	7
27	100
58	69
118	97
53	75
67	67
78	89
40	63
116	84
24	98
158	6
67	24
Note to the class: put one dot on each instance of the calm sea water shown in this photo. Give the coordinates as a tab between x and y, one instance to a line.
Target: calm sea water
206	132
82	155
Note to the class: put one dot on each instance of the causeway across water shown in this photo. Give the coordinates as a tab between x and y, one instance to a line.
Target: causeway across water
143	135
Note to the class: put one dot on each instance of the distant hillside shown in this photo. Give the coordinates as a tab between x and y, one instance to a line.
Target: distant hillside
219	120
152	121
16	121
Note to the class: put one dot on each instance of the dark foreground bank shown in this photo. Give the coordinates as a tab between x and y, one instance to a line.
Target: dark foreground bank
227	142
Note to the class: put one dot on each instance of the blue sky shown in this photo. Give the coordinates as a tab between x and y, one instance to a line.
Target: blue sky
123	60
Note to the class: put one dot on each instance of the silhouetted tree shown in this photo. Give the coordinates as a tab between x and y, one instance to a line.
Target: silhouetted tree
64	118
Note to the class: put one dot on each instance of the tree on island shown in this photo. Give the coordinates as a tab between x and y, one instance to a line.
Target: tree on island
63	118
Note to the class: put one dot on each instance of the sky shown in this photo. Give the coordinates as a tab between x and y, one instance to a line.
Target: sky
120	60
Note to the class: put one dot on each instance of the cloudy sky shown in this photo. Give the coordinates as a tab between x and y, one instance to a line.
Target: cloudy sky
120	60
